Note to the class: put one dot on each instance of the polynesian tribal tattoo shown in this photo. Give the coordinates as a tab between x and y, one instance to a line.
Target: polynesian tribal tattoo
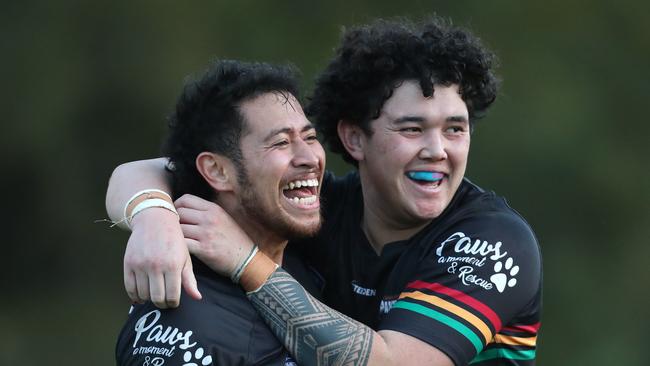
313	333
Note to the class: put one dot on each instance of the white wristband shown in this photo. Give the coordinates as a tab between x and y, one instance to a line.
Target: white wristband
154	202
136	195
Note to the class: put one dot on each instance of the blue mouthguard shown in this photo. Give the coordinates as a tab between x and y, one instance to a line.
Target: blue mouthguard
426	176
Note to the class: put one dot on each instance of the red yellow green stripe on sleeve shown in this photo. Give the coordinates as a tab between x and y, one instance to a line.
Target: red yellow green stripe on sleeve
474	320
514	342
454	309
437	301
511	354
447	320
462	298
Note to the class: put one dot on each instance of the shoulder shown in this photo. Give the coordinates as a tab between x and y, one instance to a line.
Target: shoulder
484	212
471	198
221	326
483	228
479	270
475	211
486	249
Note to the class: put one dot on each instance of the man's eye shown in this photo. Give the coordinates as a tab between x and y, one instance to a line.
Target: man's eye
455	129
281	143
411	129
311	138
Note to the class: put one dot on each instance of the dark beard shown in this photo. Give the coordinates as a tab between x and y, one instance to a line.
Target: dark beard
270	221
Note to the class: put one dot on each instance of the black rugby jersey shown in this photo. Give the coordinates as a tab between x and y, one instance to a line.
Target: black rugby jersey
469	283
221	329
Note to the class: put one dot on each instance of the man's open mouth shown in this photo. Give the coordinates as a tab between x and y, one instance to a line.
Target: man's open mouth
301	191
424	177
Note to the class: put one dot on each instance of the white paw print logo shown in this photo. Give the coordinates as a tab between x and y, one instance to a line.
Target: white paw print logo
500	280
198	356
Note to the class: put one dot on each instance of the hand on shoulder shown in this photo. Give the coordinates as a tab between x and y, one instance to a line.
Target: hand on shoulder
156	260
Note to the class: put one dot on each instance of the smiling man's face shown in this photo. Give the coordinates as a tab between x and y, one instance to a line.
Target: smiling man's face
283	165
415	158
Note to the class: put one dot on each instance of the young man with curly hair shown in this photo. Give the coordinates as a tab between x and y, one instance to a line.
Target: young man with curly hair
236	134
430	268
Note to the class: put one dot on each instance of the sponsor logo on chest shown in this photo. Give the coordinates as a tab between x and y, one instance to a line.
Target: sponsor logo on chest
159	342
360	290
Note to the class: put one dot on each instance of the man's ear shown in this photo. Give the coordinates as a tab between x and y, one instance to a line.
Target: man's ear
352	137
217	170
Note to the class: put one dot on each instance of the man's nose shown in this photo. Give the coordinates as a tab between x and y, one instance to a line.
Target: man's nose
304	155
433	147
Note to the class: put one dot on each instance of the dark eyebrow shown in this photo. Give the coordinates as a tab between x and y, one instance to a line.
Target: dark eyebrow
456	119
307	127
420	119
405	119
287	130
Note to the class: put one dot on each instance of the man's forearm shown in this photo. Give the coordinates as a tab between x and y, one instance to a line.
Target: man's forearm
313	333
129	178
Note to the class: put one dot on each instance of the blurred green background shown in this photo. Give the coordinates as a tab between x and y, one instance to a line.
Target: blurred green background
86	85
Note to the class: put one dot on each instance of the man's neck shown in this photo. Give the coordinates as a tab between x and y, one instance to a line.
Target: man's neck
379	224
381	231
269	243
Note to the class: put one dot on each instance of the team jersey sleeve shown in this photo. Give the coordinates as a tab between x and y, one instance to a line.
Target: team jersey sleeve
476	292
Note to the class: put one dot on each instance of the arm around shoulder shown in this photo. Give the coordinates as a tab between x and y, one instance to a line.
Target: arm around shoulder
156	260
130	178
318	335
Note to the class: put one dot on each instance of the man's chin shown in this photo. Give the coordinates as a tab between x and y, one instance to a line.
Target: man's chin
429	214
303	231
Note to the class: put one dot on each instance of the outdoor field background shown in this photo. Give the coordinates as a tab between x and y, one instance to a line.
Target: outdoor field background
86	85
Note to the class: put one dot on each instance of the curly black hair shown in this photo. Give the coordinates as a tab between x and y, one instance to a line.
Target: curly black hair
207	117
374	59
